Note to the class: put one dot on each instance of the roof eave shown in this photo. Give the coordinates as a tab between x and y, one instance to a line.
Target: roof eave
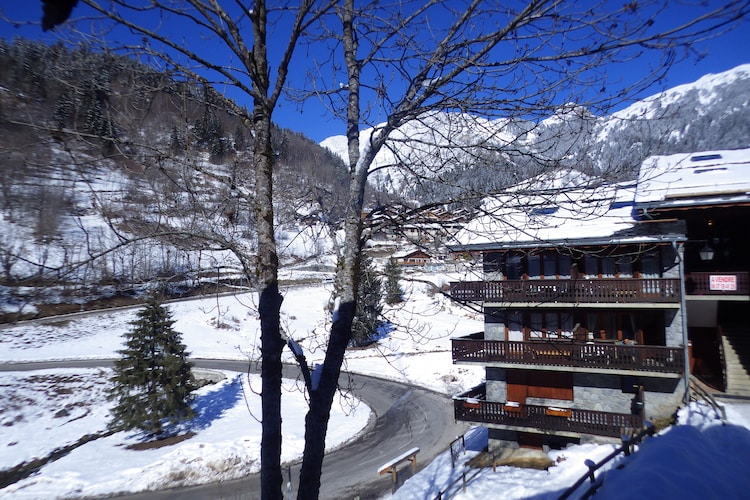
568	243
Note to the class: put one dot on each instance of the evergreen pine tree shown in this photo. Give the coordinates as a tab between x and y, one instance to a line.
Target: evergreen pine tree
219	150
152	380
240	144
64	110
369	305
393	291
176	144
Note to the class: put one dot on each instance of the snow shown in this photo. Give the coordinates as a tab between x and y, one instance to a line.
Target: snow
557	216
707	87
575	207
692	178
47	409
225	445
701	458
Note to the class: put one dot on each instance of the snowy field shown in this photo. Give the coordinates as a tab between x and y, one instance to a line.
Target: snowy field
44	410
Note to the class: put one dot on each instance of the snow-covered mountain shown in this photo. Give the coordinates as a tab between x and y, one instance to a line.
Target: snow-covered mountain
439	153
426	157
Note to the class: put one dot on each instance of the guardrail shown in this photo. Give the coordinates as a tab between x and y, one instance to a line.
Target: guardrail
391	467
628	446
628	442
698	393
603	290
717	283
598	423
602	355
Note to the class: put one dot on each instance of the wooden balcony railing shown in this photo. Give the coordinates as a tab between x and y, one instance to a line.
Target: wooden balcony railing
604	290
600	355
718	283
597	423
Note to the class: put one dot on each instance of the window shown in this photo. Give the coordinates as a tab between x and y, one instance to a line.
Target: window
492	262
550	322
550	264
534	263
625	267
515	321
566	323
713	156
608	267
513	266
591	266
564	265
650	264
592	323
536	323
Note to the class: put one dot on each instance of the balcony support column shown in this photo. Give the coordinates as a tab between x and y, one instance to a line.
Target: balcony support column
679	249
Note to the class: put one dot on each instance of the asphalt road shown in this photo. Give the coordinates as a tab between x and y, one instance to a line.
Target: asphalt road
404	417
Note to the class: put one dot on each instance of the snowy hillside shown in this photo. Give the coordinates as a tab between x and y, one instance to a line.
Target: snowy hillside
709	88
110	182
436	142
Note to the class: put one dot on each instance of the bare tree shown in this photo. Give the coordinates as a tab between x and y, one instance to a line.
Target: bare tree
242	29
392	65
404	63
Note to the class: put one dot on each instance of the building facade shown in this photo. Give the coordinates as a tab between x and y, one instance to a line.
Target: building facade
586	294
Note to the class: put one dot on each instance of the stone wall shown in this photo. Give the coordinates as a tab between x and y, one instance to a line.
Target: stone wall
496	389
494	325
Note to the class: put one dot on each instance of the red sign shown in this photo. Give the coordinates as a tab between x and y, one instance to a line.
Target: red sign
723	282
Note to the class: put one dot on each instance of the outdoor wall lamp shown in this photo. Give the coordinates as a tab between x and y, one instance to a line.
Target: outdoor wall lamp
706	253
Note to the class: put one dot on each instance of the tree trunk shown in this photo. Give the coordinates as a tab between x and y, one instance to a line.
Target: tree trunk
321	400
321	397
269	306
270	299
272	344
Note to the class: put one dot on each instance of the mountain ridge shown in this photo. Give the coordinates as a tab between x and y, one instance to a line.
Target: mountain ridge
712	112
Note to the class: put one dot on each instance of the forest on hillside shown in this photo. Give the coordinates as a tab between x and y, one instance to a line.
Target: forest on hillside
114	173
71	116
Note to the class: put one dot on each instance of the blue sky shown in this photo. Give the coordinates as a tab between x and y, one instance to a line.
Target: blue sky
710	56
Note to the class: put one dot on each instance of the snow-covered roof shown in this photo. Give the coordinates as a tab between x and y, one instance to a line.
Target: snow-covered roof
695	179
593	214
547	213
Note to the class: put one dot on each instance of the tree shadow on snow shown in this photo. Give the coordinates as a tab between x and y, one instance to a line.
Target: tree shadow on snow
208	407
211	406
383	331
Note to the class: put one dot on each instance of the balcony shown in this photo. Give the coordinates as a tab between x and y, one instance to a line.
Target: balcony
599	356
719	283
544	418
600	290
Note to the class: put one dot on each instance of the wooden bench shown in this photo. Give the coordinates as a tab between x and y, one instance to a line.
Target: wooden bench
392	465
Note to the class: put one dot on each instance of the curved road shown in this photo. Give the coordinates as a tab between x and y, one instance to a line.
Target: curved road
405	416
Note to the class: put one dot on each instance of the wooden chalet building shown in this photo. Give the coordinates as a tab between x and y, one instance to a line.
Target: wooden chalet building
415	258
590	295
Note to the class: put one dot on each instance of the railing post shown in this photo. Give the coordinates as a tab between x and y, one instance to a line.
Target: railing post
592	467
650	427
626	444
